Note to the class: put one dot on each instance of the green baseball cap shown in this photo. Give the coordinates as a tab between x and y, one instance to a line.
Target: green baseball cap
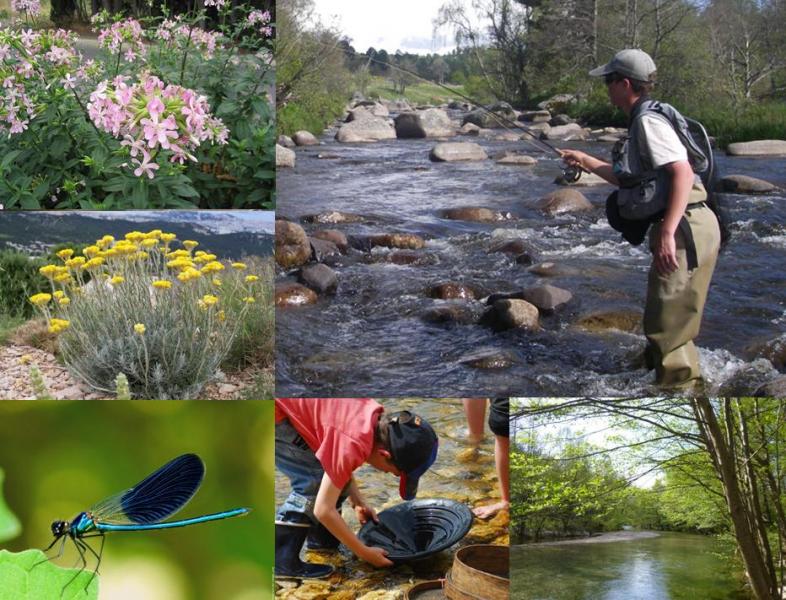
631	62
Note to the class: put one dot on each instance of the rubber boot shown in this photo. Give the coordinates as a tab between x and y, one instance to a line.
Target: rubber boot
320	538
289	541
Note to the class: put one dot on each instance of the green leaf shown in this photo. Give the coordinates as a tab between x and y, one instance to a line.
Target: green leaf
9	158
9	524
29	575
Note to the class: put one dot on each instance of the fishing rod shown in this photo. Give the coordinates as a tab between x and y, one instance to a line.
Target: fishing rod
570	174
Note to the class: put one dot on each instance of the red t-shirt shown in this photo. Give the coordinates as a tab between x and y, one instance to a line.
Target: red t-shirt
340	431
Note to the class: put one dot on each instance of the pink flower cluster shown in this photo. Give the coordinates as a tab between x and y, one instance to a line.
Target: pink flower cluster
217	3
263	18
31	7
179	35
28	60
128	33
151	117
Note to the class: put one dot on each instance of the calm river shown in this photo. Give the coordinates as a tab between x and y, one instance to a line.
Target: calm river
669	567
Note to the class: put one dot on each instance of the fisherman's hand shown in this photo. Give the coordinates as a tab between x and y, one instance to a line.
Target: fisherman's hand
665	256
574	158
376	556
364	512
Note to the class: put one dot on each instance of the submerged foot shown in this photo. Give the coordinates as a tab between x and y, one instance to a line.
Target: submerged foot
485	512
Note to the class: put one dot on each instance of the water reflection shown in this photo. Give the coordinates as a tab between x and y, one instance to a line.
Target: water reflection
669	567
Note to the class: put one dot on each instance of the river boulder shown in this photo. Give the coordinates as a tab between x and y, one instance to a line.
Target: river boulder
485	118
511	314
452	290
518	160
552	269
320	278
408	241
457	151
286	141
477	214
547	298
775	388
332	235
292	246
572	131
469	129
305	138
321	249
558	103
621	320
373	129
285	157
294	294
773	350
411	258
561	119
422	124
535	116
333	217
566	200
757	148
743	184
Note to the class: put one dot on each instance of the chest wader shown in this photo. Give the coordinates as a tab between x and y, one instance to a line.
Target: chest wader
675	302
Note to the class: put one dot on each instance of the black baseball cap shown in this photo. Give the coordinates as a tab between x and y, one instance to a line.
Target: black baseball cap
413	449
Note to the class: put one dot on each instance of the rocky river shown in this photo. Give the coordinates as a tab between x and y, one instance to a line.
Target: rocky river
407	311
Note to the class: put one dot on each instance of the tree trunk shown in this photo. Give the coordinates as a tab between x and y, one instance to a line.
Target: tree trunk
722	456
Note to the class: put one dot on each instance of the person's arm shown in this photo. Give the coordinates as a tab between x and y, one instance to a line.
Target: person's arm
665	251
325	511
590	164
363	509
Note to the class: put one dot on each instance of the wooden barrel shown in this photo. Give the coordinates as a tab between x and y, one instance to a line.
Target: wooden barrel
427	590
480	572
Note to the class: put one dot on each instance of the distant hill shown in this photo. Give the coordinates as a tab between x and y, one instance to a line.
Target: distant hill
230	234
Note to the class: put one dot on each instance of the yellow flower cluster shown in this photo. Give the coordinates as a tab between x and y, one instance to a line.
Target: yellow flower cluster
148	257
58	325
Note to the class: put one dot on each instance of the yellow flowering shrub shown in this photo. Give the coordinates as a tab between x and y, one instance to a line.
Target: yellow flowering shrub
147	306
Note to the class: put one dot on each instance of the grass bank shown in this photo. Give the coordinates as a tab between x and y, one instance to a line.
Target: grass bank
765	121
422	92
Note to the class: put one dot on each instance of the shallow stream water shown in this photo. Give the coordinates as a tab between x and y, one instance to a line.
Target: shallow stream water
669	567
462	472
371	338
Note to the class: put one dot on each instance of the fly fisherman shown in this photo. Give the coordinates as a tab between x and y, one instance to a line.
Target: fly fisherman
657	185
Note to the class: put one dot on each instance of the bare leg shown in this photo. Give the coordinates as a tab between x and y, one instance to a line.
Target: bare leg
475	411
502	461
98	557
78	545
56	556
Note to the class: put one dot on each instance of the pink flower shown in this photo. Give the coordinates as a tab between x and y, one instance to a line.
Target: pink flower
145	167
155	107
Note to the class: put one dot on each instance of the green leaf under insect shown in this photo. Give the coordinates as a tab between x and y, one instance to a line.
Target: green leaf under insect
10	527
23	576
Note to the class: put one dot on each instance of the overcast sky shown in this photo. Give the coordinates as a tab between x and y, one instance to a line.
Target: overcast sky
404	25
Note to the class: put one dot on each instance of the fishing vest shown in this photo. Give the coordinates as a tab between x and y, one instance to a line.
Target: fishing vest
644	191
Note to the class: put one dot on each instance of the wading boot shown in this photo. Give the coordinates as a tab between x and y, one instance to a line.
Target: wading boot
320	538
289	541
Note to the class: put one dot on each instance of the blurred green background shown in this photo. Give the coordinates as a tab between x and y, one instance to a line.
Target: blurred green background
60	458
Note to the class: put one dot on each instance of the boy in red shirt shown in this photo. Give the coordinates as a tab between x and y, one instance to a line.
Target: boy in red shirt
319	443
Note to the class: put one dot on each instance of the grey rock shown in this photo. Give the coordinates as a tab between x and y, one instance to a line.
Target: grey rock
320	278
757	148
285	157
321	249
743	184
423	124
564	201
457	151
305	138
